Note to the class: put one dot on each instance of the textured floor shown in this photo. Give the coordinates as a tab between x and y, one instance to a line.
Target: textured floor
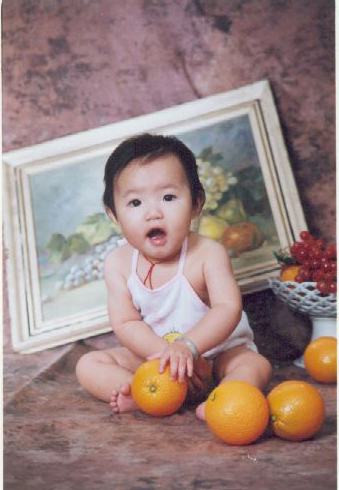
58	437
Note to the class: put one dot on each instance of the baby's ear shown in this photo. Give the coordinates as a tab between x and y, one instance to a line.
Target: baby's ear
111	216
200	203
114	220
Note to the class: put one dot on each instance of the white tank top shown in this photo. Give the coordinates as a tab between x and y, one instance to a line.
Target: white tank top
172	307
176	307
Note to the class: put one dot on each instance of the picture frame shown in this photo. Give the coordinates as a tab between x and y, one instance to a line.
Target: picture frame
57	234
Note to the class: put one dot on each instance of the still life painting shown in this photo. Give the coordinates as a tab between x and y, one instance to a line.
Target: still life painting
74	235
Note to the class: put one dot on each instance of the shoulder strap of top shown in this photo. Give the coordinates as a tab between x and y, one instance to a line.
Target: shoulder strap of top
182	256
135	260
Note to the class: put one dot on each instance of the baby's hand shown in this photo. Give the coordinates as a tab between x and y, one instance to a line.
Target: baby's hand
180	359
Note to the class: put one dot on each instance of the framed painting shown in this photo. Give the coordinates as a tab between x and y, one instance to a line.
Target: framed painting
57	234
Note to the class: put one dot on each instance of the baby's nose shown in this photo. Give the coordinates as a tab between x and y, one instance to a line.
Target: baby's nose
153	212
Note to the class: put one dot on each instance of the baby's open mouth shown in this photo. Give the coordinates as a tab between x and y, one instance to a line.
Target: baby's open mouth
155	232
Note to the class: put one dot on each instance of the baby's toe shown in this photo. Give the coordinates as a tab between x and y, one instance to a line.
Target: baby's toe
125	389
200	411
114	395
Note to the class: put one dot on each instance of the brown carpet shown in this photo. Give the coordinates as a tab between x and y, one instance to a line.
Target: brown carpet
56	437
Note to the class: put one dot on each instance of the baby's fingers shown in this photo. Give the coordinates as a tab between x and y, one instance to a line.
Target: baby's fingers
182	370
185	367
174	366
164	358
190	367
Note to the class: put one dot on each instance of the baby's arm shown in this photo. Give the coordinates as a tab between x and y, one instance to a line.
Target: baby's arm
124	318
224	297
225	304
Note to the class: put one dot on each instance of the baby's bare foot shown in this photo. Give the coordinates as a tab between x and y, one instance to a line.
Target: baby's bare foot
200	411
122	401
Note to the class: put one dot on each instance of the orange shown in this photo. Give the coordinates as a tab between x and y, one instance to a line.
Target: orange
297	410
289	273
320	359
155	393
237	412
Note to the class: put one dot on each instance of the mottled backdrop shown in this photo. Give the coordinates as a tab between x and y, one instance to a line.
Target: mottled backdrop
73	65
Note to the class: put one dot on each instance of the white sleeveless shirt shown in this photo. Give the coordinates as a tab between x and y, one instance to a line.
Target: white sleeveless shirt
176	307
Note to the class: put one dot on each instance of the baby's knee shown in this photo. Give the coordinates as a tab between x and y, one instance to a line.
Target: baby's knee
85	365
259	369
265	369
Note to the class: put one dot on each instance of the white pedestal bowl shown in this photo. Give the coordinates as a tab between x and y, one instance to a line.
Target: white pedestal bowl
305	298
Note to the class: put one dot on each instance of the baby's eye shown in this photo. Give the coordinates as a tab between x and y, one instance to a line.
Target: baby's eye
169	197
134	203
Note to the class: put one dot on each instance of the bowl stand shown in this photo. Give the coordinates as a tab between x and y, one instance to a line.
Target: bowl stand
321	327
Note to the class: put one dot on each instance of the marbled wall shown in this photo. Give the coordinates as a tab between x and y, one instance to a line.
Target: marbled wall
73	65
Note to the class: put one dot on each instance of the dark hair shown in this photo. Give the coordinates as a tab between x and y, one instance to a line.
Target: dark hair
148	147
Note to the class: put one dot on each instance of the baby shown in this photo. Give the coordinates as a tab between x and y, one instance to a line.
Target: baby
167	279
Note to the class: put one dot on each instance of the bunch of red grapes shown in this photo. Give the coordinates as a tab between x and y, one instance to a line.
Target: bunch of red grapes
318	262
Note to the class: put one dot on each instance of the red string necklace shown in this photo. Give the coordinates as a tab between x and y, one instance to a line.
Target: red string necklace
149	273
150	270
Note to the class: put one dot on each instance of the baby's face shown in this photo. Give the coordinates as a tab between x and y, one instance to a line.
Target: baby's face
154	206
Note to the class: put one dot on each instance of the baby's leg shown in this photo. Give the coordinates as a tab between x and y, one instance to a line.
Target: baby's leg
108	374
241	364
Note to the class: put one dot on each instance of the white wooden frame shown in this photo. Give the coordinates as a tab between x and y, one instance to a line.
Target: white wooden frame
29	331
